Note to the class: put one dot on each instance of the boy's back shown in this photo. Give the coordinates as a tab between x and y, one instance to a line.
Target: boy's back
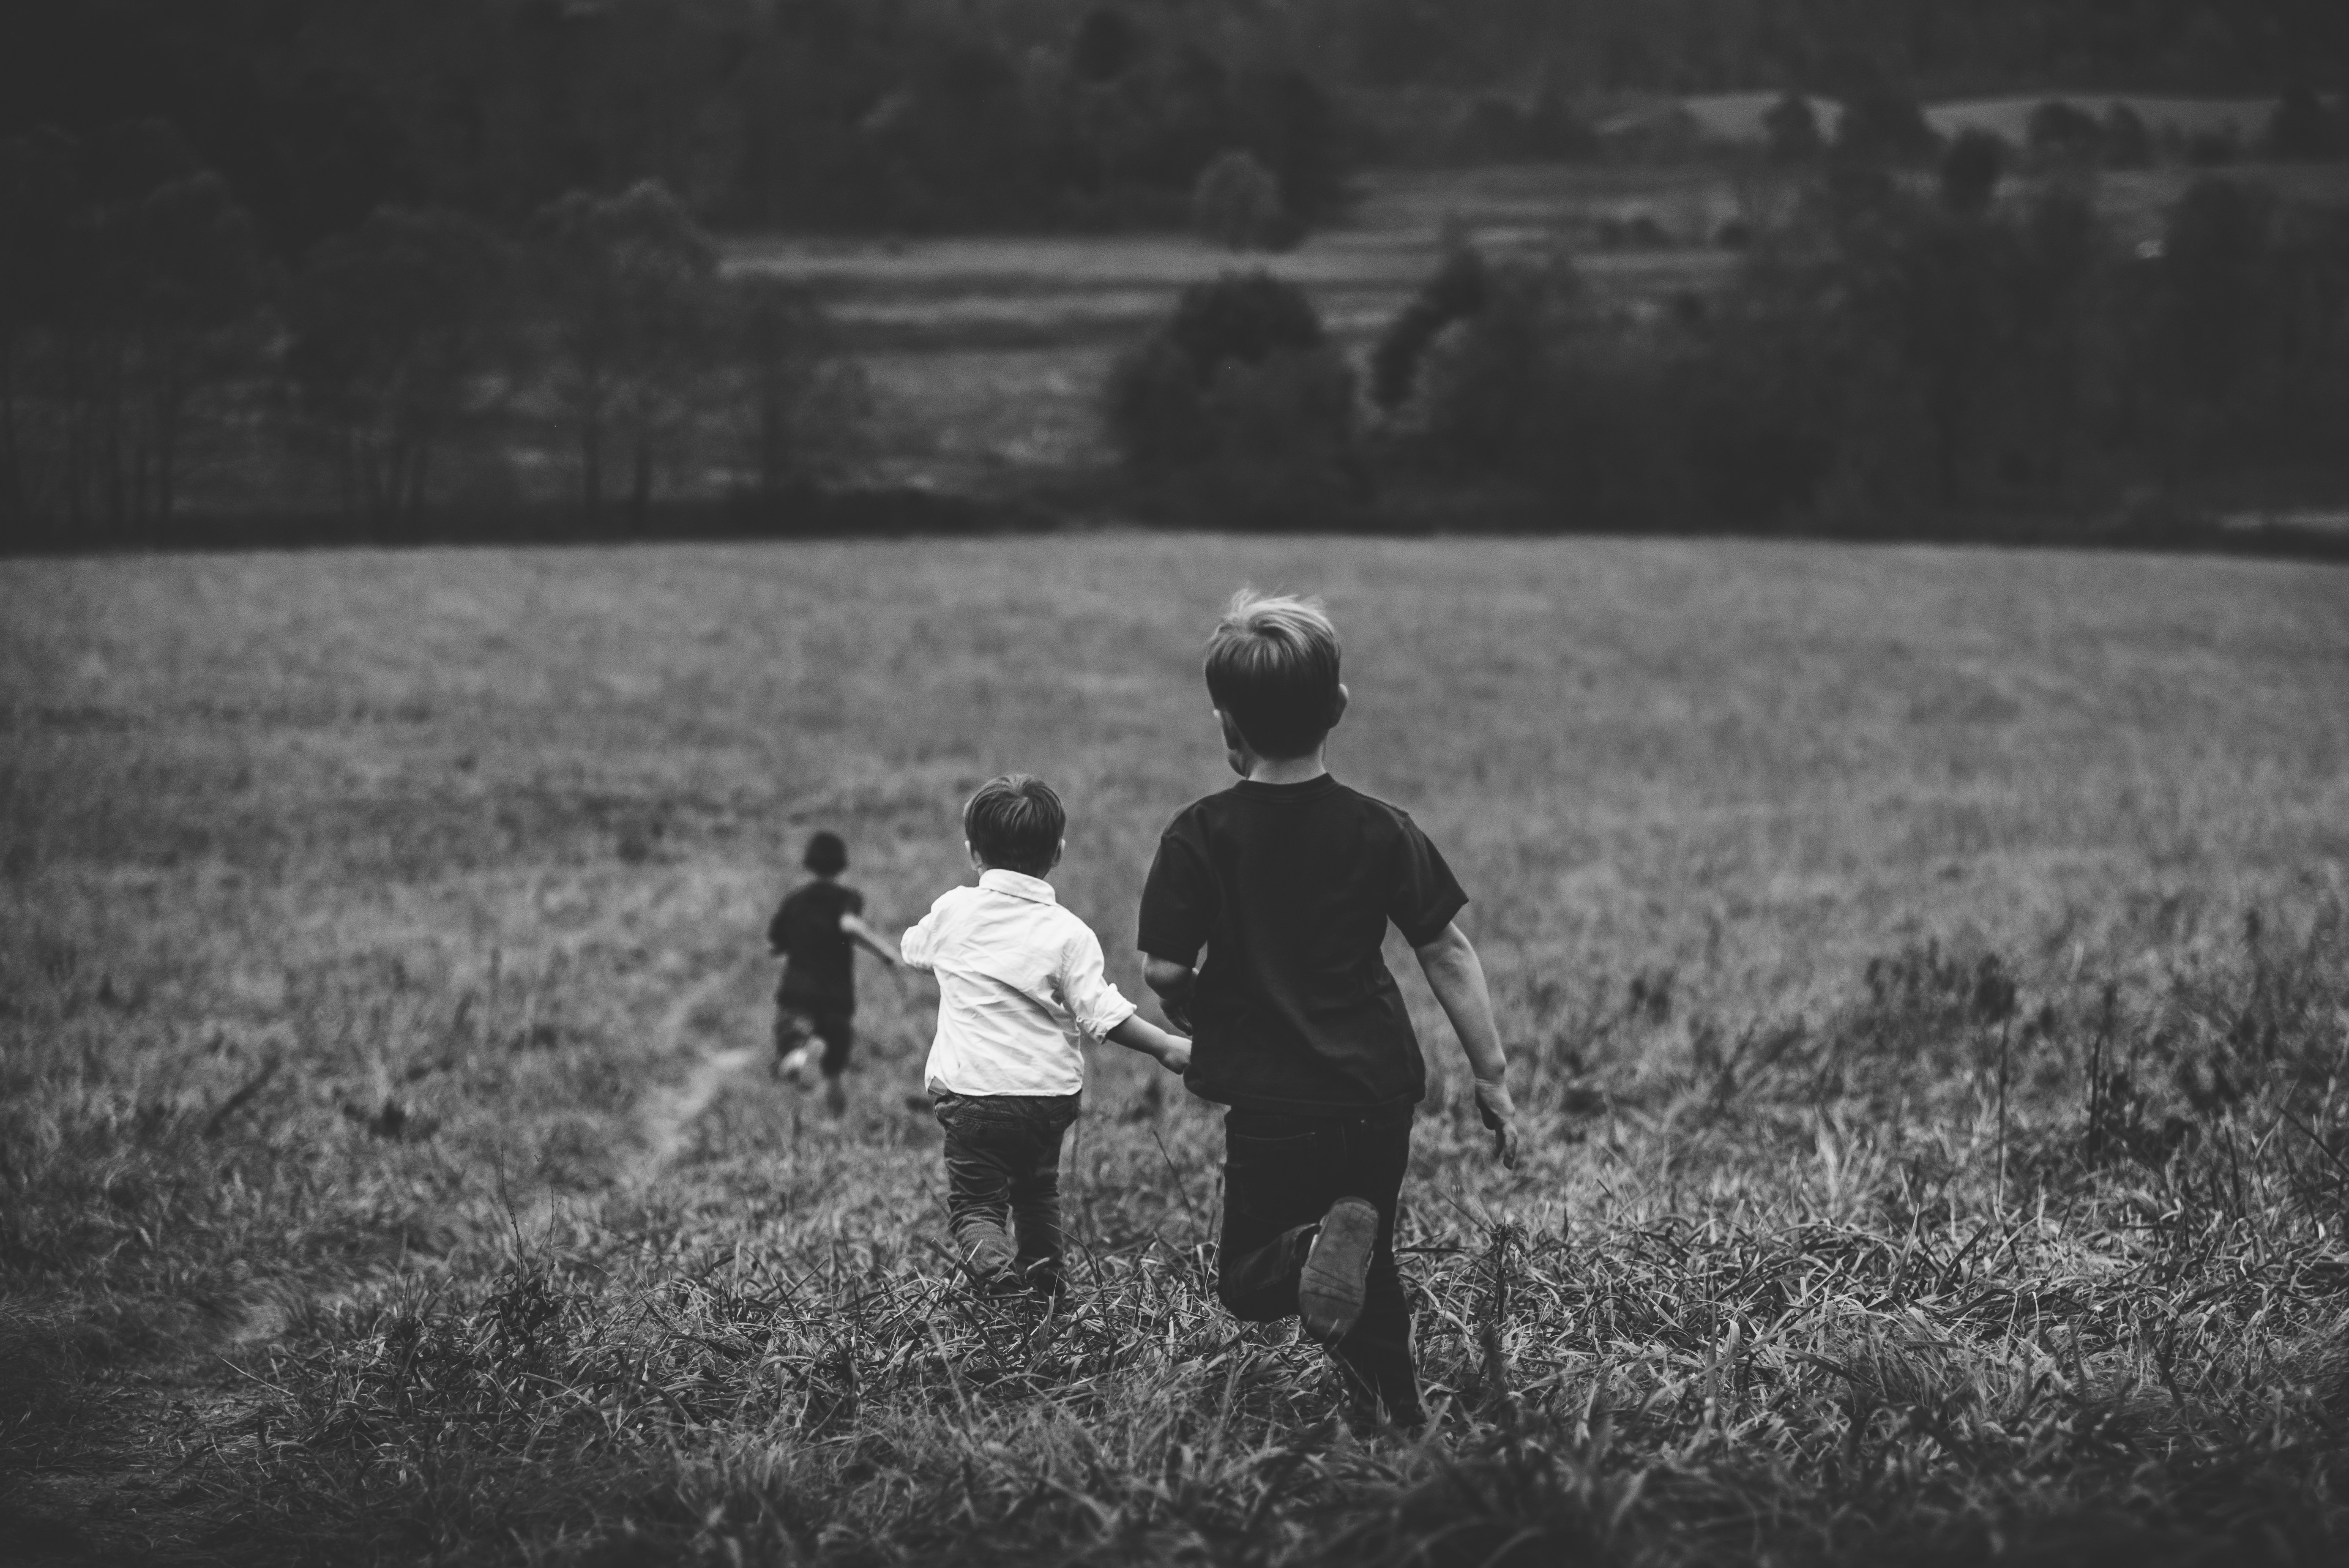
1289	880
1291	888
820	969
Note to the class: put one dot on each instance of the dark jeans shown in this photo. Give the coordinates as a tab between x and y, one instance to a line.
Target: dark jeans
797	1023
1003	1174
1281	1174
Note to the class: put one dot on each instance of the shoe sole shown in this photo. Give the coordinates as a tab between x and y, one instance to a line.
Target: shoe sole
1337	1270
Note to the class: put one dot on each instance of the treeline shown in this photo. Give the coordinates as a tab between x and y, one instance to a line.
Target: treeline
938	115
1839	47
1899	357
801	114
144	320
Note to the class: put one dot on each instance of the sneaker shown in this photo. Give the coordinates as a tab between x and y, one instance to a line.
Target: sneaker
987	1253
1330	1289
793	1068
836	1095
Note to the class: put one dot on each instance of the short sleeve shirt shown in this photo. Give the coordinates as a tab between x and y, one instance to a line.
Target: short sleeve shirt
819	968
1289	889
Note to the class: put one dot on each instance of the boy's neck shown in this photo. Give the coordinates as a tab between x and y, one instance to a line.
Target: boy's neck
1285	770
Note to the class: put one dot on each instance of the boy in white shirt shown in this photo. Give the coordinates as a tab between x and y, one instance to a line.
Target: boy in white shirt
1020	988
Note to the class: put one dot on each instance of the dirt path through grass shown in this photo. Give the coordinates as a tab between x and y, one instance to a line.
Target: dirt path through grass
127	1498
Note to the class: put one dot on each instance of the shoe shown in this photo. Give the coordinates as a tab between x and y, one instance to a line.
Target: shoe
836	1095
1330	1288
793	1068
987	1253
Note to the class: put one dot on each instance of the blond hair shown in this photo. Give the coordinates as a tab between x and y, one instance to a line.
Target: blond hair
1272	667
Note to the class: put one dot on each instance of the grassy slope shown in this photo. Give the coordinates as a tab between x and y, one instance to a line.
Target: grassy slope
488	837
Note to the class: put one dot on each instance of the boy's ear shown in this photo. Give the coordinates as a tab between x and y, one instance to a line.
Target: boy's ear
1058	850
1338	708
976	863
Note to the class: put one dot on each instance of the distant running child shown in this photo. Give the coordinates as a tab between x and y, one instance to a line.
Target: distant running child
1288	879
1020	988
817	932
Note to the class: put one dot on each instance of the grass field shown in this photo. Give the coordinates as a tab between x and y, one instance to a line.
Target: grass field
1927	975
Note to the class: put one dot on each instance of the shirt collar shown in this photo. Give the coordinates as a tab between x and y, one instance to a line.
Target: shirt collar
1018	884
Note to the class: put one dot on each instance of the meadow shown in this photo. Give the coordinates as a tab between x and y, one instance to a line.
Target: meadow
1927	973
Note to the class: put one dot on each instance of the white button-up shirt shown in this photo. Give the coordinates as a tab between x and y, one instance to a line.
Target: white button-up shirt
1020	988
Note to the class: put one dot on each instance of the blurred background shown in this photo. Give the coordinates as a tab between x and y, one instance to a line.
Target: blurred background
285	270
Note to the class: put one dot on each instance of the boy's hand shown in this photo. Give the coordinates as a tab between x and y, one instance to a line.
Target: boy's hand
1498	1112
1176	1057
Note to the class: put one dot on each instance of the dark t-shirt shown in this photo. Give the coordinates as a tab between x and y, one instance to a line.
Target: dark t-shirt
1291	888
820	971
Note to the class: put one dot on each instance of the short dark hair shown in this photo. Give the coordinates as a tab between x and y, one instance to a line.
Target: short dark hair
1015	821
1272	666
826	854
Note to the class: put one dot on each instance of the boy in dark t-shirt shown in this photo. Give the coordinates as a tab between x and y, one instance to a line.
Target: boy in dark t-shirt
1288	879
816	932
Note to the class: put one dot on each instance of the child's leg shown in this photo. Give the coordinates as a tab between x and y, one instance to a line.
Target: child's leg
1276	1188
791	1037
1035	1193
838	1031
1281	1177
980	1162
1377	1351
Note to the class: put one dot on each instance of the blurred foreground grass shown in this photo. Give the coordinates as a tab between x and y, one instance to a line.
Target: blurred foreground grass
1927	968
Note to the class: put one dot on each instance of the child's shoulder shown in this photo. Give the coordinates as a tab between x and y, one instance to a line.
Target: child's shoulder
953	898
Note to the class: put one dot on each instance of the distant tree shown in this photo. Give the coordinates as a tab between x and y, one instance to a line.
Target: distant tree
2062	131
1791	127
1237	203
630	282
2301	129
1285	117
42	196
1885	126
1239	410
180	274
1458	290
1970	171
2126	143
806	409
2213	264
391	324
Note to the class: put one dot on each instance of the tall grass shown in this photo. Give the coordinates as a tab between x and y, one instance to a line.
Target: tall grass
1930	1159
1962	1268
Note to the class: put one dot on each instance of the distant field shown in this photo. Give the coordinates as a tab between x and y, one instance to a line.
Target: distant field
386	1006
987	355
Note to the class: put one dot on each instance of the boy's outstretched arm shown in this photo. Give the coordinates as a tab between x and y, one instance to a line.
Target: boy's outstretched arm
853	928
1171	982
1457	977
1136	1033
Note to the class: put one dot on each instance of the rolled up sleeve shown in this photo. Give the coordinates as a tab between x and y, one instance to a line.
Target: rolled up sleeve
913	947
1095	1004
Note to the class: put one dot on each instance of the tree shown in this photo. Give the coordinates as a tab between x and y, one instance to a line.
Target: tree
1971	171
391	324
2127	142
1240	408
1237	203
1458	290
804	408
41	200
2063	131
1793	128
630	282
1885	126
174	274
2300	129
